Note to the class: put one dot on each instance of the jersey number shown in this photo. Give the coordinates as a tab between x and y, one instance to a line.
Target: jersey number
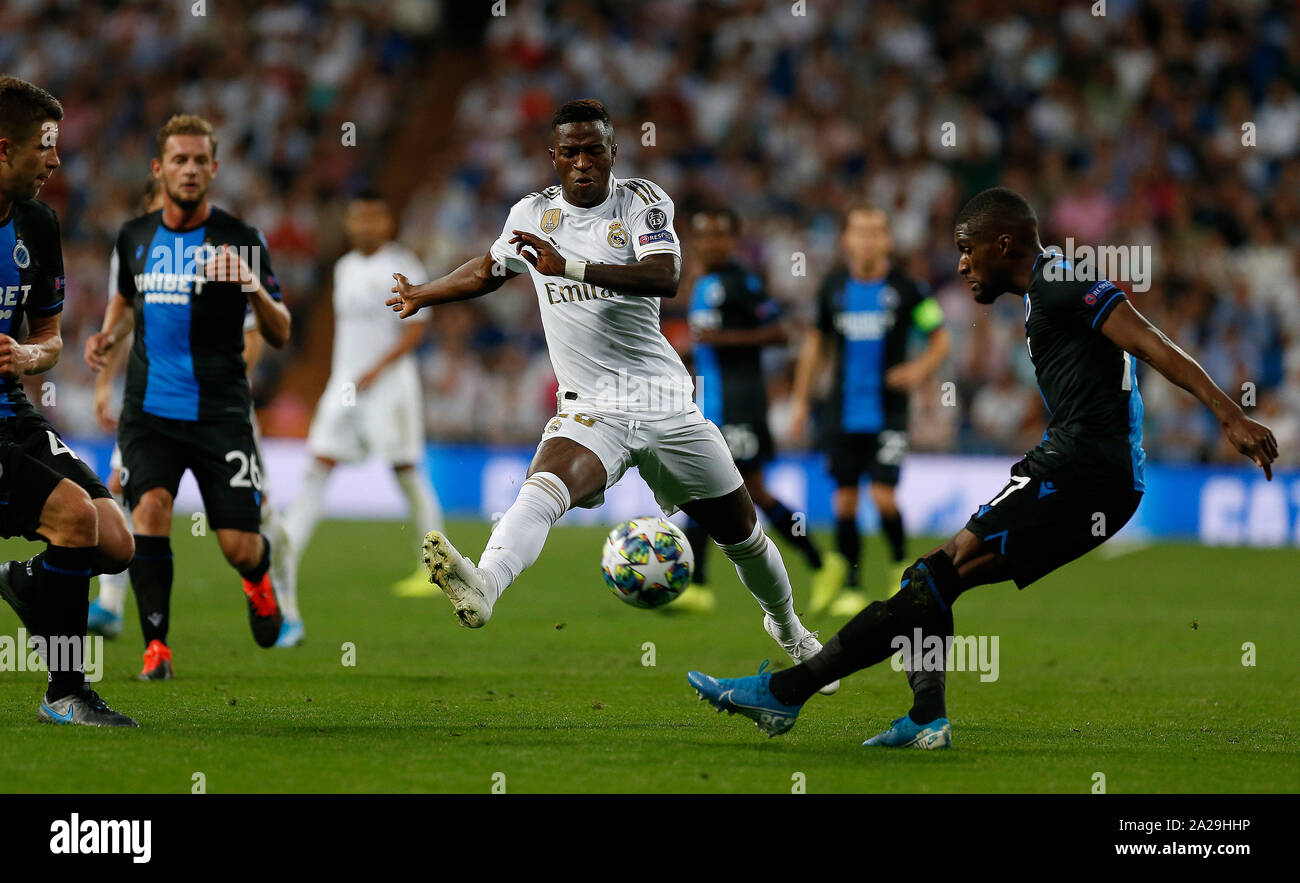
249	474
1016	483
58	447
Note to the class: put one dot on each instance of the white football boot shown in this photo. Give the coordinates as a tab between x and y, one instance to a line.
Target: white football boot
459	578
803	647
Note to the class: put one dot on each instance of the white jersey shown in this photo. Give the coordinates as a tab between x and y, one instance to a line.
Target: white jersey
606	347
364	330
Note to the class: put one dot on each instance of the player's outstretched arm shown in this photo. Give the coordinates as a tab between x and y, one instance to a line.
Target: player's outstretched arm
1129	329
654	275
474	278
39	354
119	319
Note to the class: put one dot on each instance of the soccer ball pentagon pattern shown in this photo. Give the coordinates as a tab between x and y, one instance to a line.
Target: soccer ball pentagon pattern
647	562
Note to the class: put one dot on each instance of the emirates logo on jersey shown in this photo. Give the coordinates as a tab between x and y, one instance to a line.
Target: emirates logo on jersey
617	235
551	220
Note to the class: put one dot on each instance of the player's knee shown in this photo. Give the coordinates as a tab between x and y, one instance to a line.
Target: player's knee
115	552
243	552
152	514
932	580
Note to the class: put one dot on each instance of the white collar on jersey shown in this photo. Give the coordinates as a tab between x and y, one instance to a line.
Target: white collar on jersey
580	212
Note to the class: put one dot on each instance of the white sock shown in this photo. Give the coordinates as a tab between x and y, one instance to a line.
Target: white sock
424	511
300	520
763	572
518	538
113	586
284	573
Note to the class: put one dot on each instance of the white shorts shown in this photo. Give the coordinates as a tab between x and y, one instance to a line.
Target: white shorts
682	458
386	420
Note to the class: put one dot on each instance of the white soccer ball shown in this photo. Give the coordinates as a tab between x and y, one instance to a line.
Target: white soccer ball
647	562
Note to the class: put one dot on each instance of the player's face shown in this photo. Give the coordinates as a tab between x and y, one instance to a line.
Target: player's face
369	224
186	169
978	264
866	238
25	165
714	240
583	154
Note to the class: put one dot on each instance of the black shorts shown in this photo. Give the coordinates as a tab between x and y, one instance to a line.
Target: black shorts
1038	524
879	454
33	460
750	443
156	451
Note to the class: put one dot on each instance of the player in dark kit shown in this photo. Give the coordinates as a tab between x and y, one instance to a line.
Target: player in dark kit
732	319
1078	487
47	494
867	310
185	285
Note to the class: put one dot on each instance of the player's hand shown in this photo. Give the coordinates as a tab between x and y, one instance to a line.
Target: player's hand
97	347
406	303
544	258
368	379
225	265
904	375
13	357
1254	440
104	410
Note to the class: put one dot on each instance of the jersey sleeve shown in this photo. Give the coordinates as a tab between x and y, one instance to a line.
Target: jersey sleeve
650	220
263	268
125	280
766	309
47	291
826	305
926	314
501	249
1082	304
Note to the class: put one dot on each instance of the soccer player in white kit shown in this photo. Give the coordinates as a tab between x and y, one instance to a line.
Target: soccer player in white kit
601	252
372	403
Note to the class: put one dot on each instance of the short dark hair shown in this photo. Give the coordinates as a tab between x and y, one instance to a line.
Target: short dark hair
23	107
722	211
860	206
583	110
997	207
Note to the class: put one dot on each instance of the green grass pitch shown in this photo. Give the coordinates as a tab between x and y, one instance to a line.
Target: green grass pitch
1131	666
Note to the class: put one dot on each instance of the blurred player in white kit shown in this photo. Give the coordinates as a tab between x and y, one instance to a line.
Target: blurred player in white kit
372	404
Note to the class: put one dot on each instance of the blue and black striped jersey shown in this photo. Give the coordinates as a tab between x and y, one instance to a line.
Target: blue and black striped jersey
31	282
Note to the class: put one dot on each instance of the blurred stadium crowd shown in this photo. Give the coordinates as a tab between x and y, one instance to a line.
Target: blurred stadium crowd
1173	124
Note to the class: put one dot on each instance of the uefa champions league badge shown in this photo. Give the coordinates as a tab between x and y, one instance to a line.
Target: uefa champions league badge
656	218
22	257
617	235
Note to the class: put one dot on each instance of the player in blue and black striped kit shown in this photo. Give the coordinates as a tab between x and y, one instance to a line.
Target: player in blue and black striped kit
867	311
732	318
1068	495
188	276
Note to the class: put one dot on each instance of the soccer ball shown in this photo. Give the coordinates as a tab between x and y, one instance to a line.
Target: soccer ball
647	562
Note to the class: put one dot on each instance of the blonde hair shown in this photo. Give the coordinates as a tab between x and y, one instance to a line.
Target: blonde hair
187	124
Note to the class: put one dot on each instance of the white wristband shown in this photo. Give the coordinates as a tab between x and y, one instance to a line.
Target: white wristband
575	270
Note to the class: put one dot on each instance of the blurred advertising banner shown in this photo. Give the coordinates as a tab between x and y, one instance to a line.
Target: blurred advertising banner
1216	505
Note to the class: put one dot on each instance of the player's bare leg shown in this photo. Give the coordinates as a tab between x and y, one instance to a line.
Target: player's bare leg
734	526
249	553
561	471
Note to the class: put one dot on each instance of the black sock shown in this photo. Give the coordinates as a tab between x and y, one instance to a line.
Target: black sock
795	531
151	578
23	577
64	576
698	537
892	527
259	570
849	544
925	602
